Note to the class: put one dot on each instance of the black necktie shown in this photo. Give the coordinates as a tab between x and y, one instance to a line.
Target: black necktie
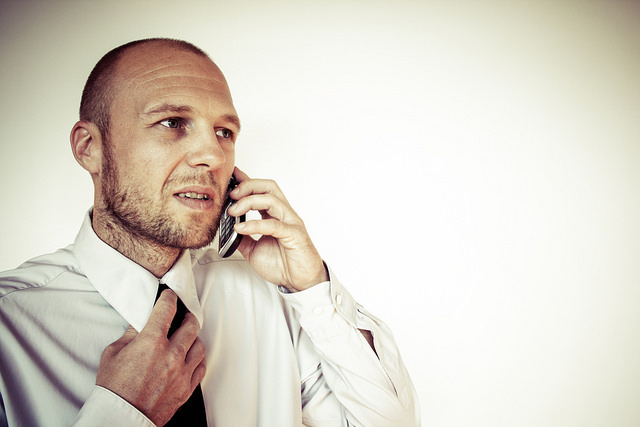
192	413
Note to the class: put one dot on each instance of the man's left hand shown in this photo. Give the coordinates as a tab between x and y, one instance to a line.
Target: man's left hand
284	254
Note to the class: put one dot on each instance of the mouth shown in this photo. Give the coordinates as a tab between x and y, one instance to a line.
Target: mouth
195	196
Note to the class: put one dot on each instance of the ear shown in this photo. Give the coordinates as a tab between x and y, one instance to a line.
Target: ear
86	144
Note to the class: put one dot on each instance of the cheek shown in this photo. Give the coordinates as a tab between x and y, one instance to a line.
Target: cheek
230	158
151	167
142	174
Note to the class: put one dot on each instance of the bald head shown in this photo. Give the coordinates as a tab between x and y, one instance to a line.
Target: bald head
99	91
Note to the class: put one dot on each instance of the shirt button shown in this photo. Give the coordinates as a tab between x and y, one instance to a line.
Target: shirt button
339	299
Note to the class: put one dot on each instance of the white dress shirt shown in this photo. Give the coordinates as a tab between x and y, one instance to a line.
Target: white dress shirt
273	359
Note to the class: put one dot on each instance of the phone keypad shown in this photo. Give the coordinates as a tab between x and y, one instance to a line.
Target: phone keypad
226	225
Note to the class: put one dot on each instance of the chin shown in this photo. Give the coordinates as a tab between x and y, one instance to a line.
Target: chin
193	238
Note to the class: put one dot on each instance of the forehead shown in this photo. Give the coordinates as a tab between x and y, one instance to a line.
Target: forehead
158	74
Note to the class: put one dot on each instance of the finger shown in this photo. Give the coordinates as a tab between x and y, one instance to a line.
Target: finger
270	227
198	374
240	175
196	353
257	186
128	336
267	204
184	337
196	362
162	314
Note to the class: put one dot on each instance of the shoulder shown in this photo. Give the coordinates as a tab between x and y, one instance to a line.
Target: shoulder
39	272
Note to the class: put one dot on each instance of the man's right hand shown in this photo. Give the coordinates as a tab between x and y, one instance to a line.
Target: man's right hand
154	373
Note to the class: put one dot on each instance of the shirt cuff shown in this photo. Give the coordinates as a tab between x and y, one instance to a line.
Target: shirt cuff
317	307
105	408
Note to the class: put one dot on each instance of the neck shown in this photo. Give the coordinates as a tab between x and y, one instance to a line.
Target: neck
153	256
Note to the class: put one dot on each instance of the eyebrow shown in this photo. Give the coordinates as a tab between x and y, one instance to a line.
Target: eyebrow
177	109
232	118
167	108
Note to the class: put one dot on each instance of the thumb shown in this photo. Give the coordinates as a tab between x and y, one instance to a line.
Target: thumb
128	336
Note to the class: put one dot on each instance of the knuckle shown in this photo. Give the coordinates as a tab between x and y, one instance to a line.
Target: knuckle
198	349
175	355
199	372
274	226
283	227
184	387
187	392
151	340
272	186
191	325
267	199
111	349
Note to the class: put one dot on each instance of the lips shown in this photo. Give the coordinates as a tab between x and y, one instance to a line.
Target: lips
191	195
199	192
196	197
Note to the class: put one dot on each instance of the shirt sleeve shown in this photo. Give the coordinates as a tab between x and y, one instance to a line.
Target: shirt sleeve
105	408
372	388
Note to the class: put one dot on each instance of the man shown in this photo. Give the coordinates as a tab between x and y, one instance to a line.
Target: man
272	341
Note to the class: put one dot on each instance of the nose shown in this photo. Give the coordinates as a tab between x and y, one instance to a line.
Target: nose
205	151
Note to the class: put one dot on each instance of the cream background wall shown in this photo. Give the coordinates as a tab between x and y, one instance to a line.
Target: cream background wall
470	170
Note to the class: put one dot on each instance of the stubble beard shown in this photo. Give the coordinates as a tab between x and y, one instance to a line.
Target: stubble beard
132	214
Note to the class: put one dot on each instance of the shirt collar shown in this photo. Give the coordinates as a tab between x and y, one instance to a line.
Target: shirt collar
128	287
180	279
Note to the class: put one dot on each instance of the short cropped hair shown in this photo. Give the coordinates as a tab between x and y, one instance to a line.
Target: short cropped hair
99	91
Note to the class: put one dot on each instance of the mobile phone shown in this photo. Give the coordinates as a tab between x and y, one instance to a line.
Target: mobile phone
228	239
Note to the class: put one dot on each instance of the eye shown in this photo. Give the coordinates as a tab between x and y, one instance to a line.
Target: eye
172	123
224	133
